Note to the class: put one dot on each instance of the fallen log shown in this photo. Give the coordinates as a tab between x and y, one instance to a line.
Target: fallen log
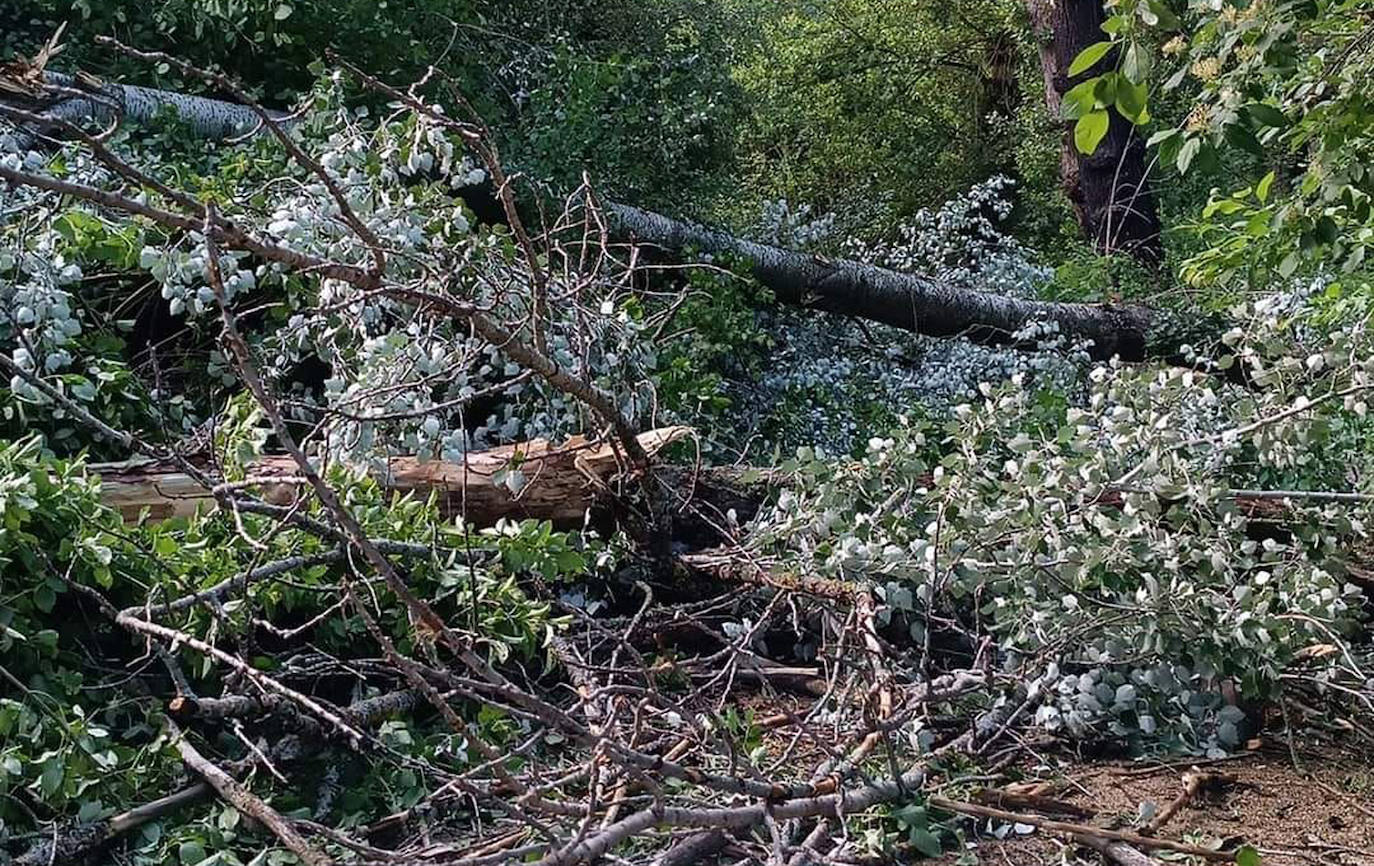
236	794
908	301
560	483
83	97
1083	831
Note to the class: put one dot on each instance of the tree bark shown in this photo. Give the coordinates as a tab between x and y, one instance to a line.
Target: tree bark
561	482
905	301
84	98
1107	188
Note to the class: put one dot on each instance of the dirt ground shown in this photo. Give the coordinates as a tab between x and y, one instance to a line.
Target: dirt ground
1320	812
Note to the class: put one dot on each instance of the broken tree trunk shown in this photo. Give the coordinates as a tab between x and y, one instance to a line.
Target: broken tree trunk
560	481
83	98
906	301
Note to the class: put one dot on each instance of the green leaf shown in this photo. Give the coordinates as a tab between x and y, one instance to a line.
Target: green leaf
1262	188
1166	18
1187	154
1136	64
1224	206
1355	259
51	779
283	12
1079	100
1089	130
1105	92
1327	230
89	811
1088	57
1266	115
1244	139
228	819
1160	137
1131	100
1248	856
926	842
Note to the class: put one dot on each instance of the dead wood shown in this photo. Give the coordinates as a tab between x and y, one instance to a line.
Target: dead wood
1119	852
251	805
1081	831
562	481
1194	782
1038	797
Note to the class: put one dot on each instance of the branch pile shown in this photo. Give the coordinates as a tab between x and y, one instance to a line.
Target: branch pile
362	680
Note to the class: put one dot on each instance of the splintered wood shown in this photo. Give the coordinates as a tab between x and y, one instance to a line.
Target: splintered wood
560	481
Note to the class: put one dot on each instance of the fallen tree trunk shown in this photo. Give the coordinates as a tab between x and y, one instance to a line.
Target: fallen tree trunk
85	98
560	481
850	288
906	301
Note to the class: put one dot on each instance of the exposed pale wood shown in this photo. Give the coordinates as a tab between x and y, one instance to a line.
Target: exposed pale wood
561	481
1119	852
1082	831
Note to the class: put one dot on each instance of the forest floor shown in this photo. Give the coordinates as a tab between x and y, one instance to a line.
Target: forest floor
1309	801
1318	812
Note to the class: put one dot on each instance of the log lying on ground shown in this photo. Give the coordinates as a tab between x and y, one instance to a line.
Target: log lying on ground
906	301
561	481
850	288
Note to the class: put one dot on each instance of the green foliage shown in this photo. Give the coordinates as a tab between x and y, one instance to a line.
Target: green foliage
269	43
639	94
83	743
1283	88
718	336
914	828
647	118
73	750
873	110
1144	602
1091	528
1085	275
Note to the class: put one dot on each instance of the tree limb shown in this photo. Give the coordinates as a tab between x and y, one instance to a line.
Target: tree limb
250	804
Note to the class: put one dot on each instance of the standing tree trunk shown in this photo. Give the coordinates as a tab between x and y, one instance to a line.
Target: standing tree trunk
1107	188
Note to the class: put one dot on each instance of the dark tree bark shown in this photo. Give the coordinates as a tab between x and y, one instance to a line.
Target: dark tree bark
1107	188
905	301
81	98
